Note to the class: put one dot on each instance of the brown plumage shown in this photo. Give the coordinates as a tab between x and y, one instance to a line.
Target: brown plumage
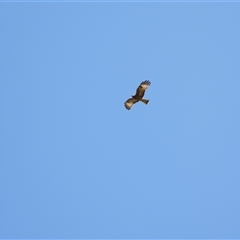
138	96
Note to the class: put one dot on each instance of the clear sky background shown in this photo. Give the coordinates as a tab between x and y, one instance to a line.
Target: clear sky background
76	164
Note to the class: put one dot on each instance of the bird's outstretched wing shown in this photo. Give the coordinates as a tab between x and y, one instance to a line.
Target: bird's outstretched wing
128	104
142	88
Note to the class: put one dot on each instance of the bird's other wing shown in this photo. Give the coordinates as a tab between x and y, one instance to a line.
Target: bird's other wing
142	88
128	104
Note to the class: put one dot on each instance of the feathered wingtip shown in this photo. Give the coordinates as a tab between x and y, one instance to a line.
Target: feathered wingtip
127	107
146	82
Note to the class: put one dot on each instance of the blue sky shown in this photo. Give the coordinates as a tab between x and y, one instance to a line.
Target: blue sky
76	164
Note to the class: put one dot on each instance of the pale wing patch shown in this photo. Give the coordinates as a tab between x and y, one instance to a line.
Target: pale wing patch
145	84
128	104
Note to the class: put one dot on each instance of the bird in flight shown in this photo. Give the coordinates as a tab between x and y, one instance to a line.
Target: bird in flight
139	95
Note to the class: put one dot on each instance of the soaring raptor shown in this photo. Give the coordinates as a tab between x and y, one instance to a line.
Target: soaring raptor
139	95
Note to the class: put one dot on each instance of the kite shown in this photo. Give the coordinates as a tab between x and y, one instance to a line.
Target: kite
138	96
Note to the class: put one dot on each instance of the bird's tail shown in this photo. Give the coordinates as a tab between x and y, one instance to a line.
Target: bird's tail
144	101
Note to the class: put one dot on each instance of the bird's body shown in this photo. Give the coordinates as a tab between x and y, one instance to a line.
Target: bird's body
139	95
